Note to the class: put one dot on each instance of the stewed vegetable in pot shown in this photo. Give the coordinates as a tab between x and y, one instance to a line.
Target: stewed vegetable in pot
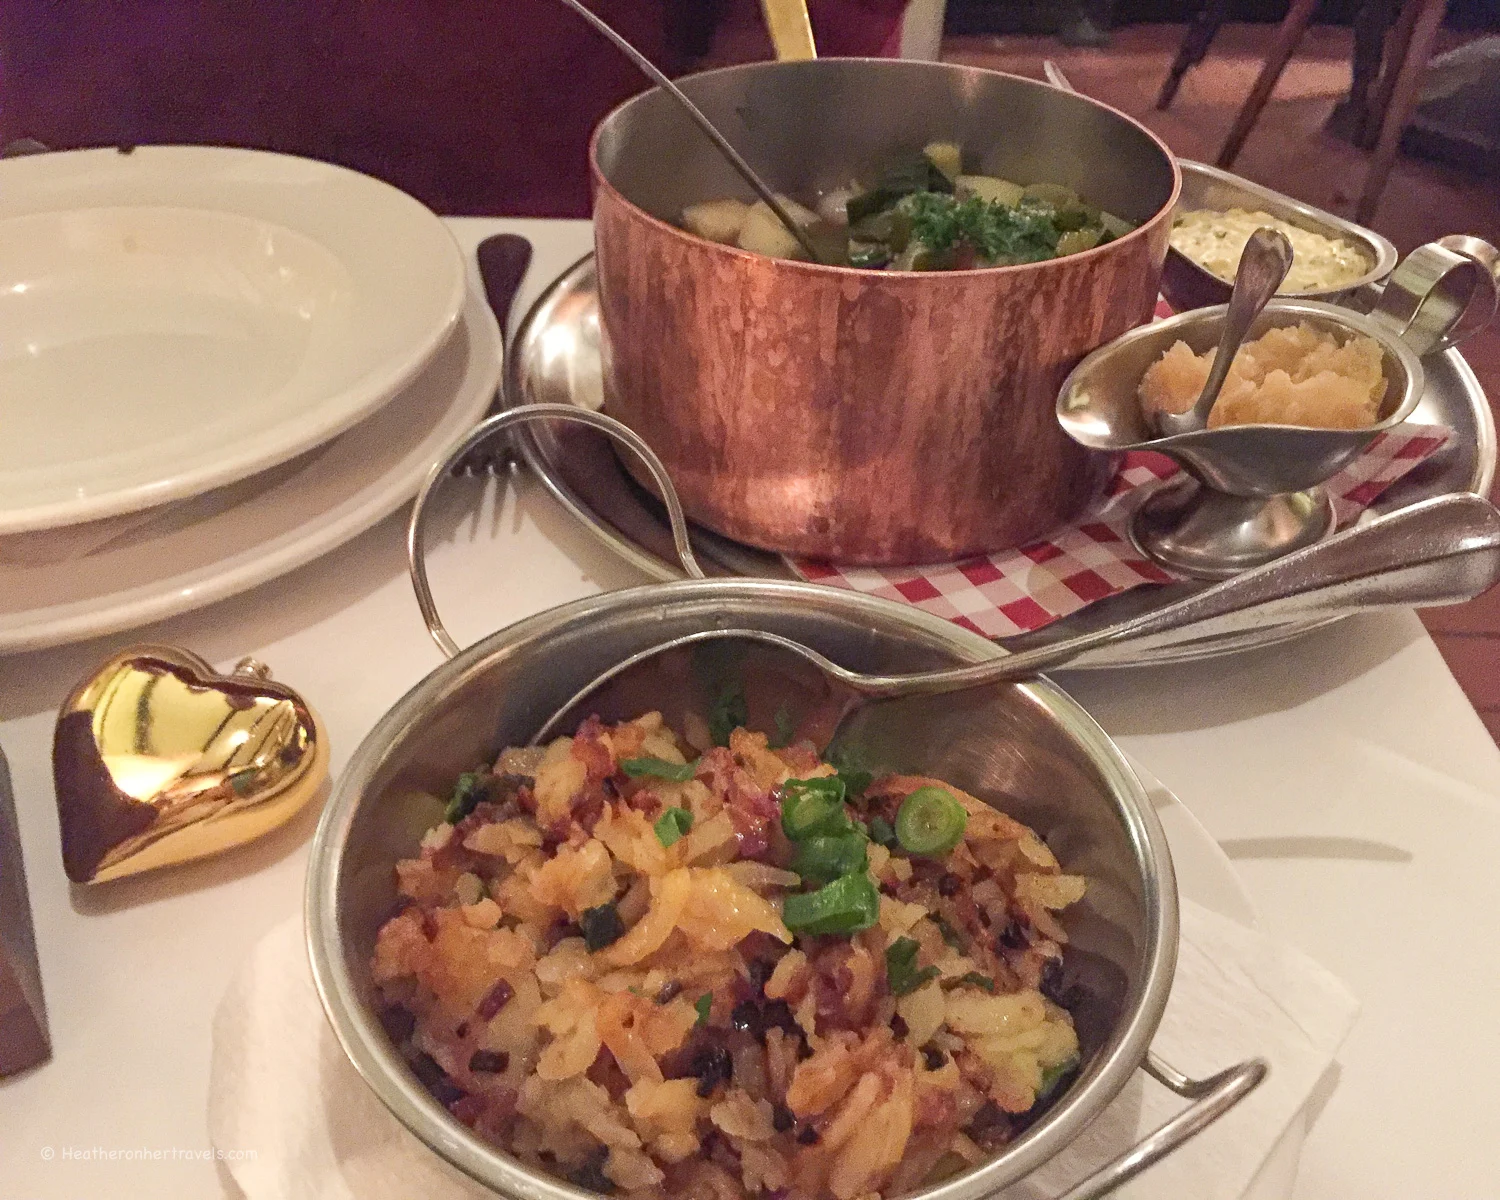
923	214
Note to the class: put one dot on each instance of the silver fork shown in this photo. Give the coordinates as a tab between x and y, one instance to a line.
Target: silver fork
503	260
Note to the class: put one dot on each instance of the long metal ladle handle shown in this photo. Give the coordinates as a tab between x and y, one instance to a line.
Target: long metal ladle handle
1440	551
745	170
1392	562
1266	259
416	530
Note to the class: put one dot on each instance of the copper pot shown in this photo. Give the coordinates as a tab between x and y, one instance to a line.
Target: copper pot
865	416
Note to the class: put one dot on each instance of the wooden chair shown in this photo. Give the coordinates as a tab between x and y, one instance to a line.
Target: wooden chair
1394	40
1195	43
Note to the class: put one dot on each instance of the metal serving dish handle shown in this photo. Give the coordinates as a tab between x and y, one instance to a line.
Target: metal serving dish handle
416	532
1425	301
1211	1098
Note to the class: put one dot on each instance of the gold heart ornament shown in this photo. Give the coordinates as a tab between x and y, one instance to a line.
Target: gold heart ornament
157	760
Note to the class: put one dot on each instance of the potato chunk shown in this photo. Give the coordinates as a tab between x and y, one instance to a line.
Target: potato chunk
987	187
763	233
716	220
946	157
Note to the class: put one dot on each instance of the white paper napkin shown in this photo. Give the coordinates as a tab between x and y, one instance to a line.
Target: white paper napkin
281	1085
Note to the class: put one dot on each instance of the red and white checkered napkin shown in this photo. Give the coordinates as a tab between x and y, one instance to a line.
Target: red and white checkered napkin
1014	591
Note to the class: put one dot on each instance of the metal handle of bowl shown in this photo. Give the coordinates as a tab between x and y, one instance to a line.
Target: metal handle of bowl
416	529
1476	248
1211	1099
1426	301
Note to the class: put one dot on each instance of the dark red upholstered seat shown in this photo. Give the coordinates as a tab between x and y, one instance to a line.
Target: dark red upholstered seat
474	106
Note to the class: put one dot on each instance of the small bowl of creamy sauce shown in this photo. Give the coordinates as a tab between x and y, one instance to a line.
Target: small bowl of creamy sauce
1215	241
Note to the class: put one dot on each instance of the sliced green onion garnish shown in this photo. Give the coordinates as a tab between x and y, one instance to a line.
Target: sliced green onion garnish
930	822
830	786
813	808
822	859
672	824
846	905
658	768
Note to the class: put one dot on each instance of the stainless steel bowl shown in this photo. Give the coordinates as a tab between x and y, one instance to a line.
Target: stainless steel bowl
1028	748
1187	285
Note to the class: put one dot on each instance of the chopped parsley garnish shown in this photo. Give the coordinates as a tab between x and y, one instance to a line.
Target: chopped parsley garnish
917	174
786	729
978	980
901	971
658	768
997	233
704	1004
729	713
672	824
950	935
467	792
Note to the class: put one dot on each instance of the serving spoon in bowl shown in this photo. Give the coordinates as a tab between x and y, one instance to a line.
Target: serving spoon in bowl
1263	265
700	118
1444	550
1440	551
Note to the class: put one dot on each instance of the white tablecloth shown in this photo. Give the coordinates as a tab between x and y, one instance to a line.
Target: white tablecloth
1345	775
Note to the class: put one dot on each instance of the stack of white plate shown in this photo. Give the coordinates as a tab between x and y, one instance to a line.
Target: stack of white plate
215	365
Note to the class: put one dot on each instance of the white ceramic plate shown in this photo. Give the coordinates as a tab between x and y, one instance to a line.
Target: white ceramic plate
181	317
213	546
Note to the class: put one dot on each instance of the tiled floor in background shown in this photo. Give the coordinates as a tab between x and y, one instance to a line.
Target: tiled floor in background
1290	152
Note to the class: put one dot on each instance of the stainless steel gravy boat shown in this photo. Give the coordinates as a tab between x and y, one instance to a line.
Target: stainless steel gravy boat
1251	493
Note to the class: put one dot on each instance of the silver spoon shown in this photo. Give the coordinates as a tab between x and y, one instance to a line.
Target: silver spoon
1263	265
746	171
1055	76
1440	551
